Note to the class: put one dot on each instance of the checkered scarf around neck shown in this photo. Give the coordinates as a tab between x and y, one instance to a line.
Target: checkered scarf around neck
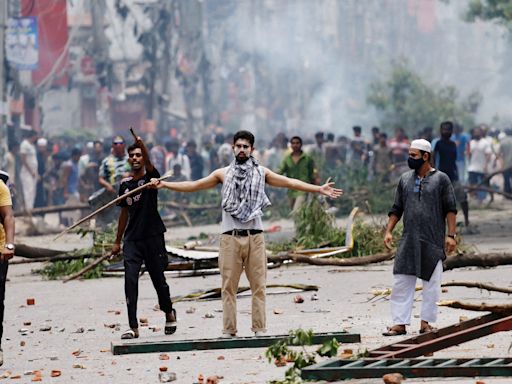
243	192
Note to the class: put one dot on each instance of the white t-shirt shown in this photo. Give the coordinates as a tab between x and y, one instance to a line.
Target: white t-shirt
479	151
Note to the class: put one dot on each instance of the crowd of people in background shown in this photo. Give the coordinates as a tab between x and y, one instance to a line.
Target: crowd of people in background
54	171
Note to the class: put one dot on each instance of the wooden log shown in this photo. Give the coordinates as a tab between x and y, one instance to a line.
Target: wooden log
63	257
52	209
482	307
474	284
24	250
346	262
477	260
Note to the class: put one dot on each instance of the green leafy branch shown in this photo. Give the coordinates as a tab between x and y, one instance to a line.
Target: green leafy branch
283	352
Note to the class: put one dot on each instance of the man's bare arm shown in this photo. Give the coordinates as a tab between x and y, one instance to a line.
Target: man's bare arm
388	237
145	154
104	183
7	218
122	222
210	181
281	181
452	222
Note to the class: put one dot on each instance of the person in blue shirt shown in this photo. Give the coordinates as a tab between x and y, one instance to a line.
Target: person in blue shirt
461	140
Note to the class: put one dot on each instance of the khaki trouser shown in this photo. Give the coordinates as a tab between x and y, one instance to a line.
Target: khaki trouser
235	254
297	202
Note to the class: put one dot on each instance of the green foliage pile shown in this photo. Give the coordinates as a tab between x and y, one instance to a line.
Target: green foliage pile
493	10
372	196
406	100
57	269
102	243
314	226
284	351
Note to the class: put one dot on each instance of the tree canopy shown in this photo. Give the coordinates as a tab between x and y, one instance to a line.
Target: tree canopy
493	10
406	100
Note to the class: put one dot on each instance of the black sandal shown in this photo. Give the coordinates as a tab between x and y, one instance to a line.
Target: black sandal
394	332
171	326
130	334
427	329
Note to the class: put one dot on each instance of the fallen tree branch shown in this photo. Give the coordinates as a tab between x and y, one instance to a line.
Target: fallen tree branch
24	250
477	260
345	262
215	293
483	307
491	175
52	209
468	284
88	267
487	189
52	259
474	284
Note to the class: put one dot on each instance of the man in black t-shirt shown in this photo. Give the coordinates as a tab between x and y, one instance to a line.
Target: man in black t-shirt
445	158
143	230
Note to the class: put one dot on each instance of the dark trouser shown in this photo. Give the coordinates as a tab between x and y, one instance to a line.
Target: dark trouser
507	177
475	178
152	252
3	278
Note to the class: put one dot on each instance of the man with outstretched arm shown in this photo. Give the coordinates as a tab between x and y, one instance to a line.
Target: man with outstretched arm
242	244
143	230
426	200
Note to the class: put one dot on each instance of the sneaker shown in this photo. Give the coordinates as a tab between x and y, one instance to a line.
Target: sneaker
1	357
227	335
258	334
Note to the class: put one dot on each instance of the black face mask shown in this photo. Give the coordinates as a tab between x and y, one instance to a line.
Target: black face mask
446	136
415	163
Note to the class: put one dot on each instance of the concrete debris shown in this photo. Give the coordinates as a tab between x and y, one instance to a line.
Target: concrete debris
167	377
393	378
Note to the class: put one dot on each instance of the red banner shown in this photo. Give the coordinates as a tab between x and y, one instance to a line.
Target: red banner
52	28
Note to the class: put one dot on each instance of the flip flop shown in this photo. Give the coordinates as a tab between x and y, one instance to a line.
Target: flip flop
394	332
130	334
427	329
171	326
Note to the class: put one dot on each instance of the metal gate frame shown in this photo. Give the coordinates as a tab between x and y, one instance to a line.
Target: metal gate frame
398	357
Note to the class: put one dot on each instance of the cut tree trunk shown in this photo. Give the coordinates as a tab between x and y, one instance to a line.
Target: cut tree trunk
477	260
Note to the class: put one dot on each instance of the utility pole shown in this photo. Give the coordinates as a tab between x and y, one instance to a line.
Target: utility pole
3	77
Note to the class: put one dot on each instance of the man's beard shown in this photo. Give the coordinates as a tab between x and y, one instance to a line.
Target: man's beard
241	160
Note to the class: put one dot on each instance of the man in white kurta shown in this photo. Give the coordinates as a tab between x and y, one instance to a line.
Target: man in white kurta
28	171
426	200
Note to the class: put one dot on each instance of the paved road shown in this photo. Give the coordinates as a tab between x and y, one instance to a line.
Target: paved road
343	304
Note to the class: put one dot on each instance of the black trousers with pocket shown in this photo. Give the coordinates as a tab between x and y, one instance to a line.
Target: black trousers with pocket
152	252
3	278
